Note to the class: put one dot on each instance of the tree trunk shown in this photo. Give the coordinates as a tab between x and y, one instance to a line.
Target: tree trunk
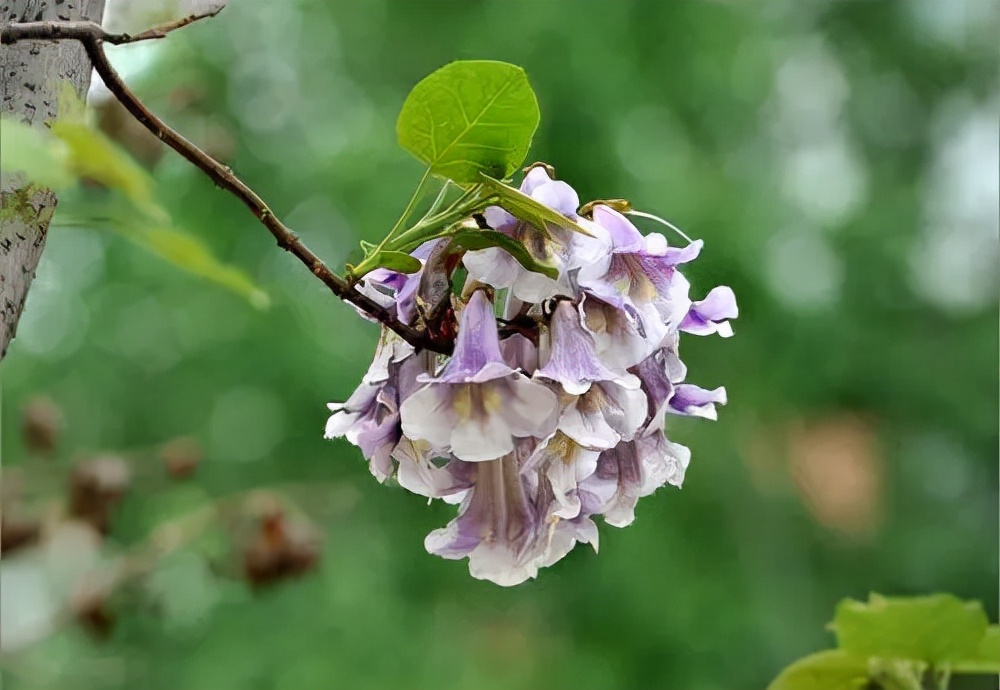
32	74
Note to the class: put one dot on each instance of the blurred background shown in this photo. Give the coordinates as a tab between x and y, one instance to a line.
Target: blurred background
840	160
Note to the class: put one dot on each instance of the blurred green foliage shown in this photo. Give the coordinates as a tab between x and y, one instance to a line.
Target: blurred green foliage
838	158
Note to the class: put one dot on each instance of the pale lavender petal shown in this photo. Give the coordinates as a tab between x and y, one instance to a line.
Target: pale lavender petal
528	407
623	335
655	244
589	257
499	219
406	299
493	266
390	348
573	361
694	401
520	353
533	179
565	535
368	424
420	474
674	304
428	414
424	250
682	255
626	237
565	463
635	469
656	382
383	277
376	443
662	461
712	314
620	467
676	369
507	524
477	356
535	287
406	374
558	196
480	432
604	416
495	524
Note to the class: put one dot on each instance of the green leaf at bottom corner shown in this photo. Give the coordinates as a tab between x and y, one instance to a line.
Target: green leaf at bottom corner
936	629
829	670
483	239
470	117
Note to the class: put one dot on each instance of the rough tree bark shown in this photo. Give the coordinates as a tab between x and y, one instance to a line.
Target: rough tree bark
31	78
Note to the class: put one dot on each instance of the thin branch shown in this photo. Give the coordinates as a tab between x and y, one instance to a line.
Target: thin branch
163	29
43	31
91	36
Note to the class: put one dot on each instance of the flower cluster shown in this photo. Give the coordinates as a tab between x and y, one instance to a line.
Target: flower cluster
551	408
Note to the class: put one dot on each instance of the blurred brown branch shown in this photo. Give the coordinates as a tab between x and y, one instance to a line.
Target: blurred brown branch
92	37
50	30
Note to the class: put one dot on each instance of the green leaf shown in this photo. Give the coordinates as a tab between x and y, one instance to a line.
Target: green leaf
468	118
94	156
34	152
829	670
935	629
191	254
154	233
398	261
986	659
522	206
482	239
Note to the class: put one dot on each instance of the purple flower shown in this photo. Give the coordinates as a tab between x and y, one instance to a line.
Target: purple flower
635	469
565	463
607	414
561	420
477	405
642	278
623	335
573	361
507	525
370	417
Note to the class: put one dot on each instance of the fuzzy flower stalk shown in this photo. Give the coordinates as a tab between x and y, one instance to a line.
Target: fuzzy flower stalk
551	409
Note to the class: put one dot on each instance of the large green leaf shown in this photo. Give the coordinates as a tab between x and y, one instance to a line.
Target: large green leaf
470	117
936	629
483	239
34	152
829	670
519	204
